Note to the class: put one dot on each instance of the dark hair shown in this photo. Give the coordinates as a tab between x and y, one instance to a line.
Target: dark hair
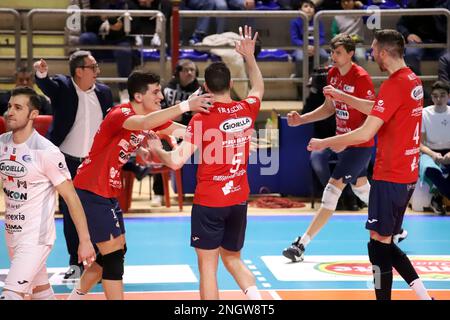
138	82
343	39
440	85
76	60
217	77
21	69
392	41
34	100
310	2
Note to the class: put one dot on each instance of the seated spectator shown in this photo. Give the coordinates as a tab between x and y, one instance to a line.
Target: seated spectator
24	78
435	147
444	68
423	29
296	31
202	24
351	25
110	31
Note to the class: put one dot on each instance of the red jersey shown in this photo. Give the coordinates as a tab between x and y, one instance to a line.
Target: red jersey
357	83
100	171
399	104
223	138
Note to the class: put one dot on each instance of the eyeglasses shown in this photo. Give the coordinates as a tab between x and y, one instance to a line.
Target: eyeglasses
94	67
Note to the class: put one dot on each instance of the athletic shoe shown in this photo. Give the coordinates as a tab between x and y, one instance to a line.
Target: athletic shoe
438	206
156	201
295	252
74	272
400	237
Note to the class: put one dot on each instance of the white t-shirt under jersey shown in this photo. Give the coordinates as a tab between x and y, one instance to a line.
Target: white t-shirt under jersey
436	126
29	172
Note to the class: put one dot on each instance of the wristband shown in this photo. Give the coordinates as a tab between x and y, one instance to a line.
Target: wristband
184	106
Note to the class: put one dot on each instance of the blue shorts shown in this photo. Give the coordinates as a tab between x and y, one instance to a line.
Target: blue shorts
387	204
104	216
214	227
352	164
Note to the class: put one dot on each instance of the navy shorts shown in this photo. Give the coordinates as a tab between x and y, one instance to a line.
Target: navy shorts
387	204
352	164
214	227
104	216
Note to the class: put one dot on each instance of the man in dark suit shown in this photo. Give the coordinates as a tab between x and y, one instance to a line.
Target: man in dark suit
79	106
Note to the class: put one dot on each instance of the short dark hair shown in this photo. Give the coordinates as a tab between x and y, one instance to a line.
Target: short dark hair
21	69
34	100
310	2
440	85
76	60
392	41
139	80
217	77
343	39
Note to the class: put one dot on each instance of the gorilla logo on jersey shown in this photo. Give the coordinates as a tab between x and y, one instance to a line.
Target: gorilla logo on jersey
14	169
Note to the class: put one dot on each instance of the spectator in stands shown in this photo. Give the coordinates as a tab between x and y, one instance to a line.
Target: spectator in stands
79	105
78	26
308	7
435	147
352	25
231	5
24	78
444	68
423	29
202	24
102	30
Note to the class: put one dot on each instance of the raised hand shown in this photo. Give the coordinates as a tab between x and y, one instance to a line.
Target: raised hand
41	66
333	93
246	46
294	119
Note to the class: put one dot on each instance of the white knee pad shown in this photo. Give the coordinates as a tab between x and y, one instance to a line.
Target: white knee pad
331	195
362	192
10	295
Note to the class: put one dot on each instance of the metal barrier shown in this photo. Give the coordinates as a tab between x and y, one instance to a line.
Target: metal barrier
127	14
17	23
258	14
383	13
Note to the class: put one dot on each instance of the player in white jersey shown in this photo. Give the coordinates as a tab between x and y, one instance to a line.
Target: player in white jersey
32	169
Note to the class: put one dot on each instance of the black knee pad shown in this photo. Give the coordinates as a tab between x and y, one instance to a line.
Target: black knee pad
403	265
380	255
125	249
113	265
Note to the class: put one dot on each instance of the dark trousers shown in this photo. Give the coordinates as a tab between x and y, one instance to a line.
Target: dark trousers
70	232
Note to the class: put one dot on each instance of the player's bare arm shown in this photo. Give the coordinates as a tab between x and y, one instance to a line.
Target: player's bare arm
362	105
246	47
174	159
153	119
437	157
86	252
337	143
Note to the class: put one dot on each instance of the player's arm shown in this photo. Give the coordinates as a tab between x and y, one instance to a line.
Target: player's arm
86	252
175	129
174	159
324	111
364	133
246	47
362	105
154	119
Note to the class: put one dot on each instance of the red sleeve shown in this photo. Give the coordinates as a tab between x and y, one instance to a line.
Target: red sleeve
113	123
387	102
194	131
163	126
364	88
254	103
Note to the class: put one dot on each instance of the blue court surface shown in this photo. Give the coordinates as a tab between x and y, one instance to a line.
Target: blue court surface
159	258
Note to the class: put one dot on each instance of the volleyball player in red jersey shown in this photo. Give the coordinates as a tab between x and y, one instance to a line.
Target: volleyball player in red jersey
98	181
219	212
353	162
396	116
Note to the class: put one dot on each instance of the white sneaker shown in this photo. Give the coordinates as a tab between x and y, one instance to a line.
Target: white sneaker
124	97
400	237
156	201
